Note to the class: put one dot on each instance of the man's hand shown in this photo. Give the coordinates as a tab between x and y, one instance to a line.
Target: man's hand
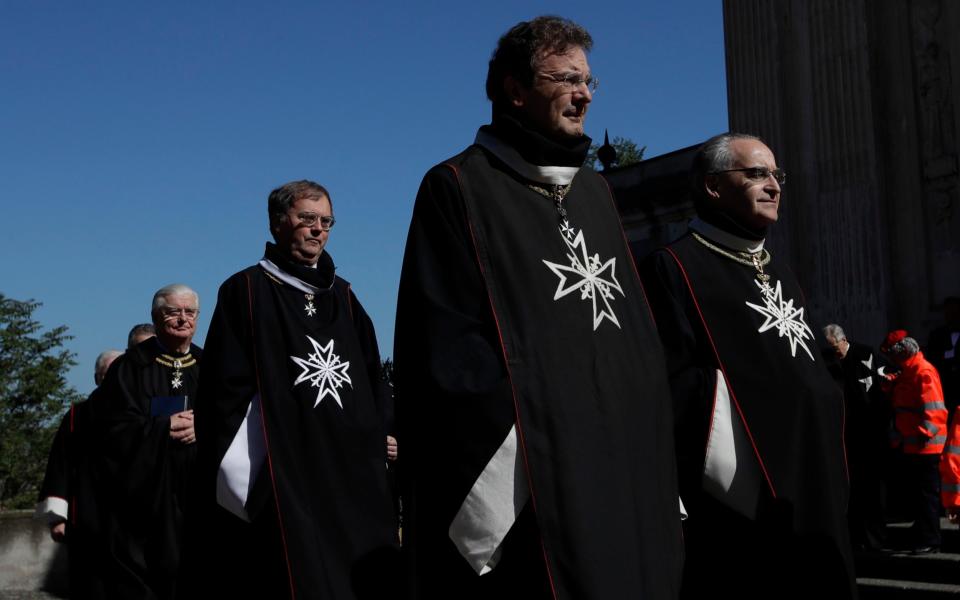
58	532
181	427
391	448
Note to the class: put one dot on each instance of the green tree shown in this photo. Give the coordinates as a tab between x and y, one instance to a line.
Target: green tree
33	394
628	153
386	371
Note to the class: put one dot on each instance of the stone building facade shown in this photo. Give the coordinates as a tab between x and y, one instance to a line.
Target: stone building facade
860	102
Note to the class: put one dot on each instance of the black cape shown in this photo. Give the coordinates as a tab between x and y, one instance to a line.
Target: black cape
145	473
72	477
321	521
792	410
481	344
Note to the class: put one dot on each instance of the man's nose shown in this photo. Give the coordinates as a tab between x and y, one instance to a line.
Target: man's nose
583	93
772	185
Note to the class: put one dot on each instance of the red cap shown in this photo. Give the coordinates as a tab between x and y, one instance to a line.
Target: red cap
892	338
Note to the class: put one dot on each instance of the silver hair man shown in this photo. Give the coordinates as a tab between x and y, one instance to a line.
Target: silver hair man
102	364
715	155
174	289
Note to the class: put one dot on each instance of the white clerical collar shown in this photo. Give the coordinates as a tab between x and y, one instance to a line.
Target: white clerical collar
727	239
267	265
512	158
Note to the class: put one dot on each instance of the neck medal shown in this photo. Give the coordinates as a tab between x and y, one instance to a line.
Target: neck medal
594	278
778	314
309	307
176	364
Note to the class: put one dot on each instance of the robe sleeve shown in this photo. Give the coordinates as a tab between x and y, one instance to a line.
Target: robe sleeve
228	384
382	394
691	366
454	401
54	492
135	444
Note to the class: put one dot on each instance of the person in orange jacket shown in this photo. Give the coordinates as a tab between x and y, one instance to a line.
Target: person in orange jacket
920	431
950	472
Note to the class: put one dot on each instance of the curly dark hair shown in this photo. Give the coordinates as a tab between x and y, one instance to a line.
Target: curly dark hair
519	50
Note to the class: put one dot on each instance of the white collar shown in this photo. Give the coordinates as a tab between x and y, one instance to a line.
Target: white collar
267	265
727	239
540	174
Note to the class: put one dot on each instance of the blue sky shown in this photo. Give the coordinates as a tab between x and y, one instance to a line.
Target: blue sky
139	141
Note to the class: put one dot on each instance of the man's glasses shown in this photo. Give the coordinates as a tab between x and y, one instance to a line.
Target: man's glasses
190	314
308	219
572	80
758	173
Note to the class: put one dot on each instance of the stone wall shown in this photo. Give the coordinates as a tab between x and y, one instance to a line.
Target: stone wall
29	560
859	101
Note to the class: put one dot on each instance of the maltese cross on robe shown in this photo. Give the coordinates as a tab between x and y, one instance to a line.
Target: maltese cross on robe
324	370
593	277
781	315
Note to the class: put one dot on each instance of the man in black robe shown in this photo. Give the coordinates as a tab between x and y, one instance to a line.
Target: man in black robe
144	418
292	489
859	372
758	420
68	497
532	400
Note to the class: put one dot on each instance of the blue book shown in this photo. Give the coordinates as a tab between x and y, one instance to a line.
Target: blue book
167	406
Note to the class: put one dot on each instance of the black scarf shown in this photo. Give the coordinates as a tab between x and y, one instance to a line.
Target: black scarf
534	147
727	223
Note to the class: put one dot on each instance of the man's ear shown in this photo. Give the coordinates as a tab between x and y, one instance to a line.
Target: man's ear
711	184
516	91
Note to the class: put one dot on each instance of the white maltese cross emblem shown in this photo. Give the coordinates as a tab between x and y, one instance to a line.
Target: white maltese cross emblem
324	370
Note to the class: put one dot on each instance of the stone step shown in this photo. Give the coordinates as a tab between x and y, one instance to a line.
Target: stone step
898	535
938	567
893	589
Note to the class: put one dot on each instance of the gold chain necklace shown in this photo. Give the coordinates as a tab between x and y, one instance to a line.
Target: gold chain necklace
757	260
177	363
557	194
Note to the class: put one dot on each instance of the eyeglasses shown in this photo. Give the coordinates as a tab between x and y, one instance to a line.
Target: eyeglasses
758	173
308	219
572	80
190	314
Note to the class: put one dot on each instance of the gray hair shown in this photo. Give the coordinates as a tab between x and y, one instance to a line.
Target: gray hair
715	155
834	331
142	330
174	289
905	348
104	359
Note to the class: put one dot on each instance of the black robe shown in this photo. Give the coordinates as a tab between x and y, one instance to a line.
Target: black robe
793	414
145	473
71	477
320	518
866	432
481	345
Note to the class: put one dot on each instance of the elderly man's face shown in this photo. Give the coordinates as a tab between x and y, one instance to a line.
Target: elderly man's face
555	109
750	201
840	346
302	243
177	321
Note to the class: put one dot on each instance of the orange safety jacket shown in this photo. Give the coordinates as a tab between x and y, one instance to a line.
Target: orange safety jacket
920	416
950	465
